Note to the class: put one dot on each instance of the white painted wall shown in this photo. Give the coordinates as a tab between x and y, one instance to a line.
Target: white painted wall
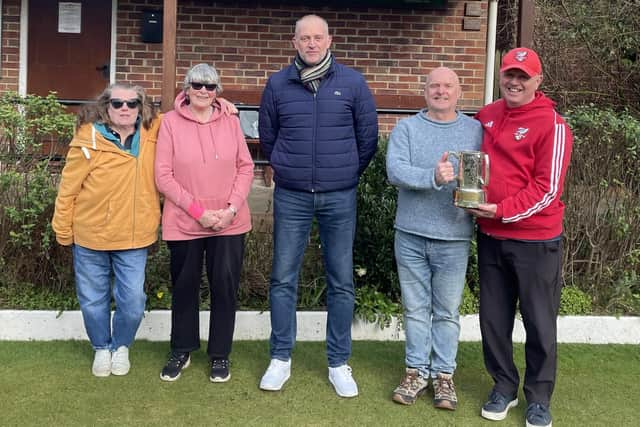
17	325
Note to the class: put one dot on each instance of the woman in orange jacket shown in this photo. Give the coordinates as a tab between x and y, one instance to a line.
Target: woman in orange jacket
108	210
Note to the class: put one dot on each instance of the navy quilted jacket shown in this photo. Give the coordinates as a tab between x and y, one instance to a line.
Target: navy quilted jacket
320	142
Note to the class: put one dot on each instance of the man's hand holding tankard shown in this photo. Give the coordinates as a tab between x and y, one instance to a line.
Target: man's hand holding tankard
444	170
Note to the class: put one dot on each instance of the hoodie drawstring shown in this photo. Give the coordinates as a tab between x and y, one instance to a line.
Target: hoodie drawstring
93	136
204	159
213	141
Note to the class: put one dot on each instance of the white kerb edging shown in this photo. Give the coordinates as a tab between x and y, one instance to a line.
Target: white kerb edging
18	325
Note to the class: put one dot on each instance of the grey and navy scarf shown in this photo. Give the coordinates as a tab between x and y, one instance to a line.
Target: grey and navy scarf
311	75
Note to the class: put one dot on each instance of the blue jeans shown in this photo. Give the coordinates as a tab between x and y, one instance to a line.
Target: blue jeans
431	274
293	213
94	271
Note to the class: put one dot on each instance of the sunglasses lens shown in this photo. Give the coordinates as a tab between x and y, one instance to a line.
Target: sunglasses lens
118	103
209	87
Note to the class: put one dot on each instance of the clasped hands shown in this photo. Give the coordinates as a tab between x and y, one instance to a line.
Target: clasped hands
216	219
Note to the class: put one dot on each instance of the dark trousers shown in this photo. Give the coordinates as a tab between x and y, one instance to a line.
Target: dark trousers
223	256
528	272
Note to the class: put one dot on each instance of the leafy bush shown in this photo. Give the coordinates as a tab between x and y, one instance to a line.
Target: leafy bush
373	257
602	224
158	277
625	295
376	307
33	133
574	301
602	216
470	301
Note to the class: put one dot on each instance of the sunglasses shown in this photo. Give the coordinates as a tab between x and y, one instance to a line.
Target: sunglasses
210	87
118	103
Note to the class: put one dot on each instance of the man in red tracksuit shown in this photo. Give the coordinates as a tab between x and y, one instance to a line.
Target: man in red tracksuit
520	236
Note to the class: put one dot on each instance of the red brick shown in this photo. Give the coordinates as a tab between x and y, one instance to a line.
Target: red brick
394	48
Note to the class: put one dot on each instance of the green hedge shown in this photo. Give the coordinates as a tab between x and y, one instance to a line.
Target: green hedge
602	224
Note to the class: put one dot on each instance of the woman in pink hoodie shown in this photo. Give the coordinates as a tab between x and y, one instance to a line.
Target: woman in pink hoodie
204	169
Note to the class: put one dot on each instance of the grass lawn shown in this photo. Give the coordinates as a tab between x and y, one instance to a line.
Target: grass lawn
50	383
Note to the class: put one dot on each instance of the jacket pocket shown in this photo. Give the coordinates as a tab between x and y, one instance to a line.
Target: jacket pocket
147	213
119	218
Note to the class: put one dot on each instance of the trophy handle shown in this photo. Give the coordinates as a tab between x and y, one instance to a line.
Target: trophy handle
485	177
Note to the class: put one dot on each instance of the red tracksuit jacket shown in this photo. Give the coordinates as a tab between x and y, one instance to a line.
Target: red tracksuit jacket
529	149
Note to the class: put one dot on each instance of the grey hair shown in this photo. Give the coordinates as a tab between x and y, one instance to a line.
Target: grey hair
202	73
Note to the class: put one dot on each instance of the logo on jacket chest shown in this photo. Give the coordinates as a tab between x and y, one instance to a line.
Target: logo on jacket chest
520	134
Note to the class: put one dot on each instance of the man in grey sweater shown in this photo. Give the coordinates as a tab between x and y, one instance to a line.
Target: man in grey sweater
432	236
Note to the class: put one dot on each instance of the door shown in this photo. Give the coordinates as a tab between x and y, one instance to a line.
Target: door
69	48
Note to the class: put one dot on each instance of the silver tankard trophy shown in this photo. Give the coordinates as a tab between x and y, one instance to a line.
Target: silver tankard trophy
473	175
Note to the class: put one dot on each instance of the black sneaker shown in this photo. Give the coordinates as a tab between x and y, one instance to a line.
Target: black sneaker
176	363
498	405
538	415
219	371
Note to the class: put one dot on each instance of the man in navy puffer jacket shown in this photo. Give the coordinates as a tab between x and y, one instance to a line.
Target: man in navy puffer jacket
319	129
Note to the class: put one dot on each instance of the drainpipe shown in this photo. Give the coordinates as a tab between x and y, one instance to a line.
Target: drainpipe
489	71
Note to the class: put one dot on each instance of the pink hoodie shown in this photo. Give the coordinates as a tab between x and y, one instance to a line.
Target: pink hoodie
201	166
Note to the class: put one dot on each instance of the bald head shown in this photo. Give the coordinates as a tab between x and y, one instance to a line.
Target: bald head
443	72
314	20
442	91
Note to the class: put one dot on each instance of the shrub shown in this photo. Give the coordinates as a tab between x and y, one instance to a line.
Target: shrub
158	277
602	224
375	306
602	216
574	301
373	258
470	301
33	131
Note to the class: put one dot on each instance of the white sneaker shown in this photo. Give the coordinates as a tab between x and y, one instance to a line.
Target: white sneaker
343	381
101	363
120	361
276	375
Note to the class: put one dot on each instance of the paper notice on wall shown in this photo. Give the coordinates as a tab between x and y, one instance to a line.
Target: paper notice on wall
69	17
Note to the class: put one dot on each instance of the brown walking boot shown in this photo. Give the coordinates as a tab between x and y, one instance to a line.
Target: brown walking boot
411	387
444	392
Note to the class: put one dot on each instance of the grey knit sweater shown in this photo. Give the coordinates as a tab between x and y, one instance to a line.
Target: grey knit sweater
415	147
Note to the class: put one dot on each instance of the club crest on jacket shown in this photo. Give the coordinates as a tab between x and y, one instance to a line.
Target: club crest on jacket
520	133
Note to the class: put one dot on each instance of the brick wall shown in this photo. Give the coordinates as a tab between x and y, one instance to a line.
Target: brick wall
393	48
9	52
